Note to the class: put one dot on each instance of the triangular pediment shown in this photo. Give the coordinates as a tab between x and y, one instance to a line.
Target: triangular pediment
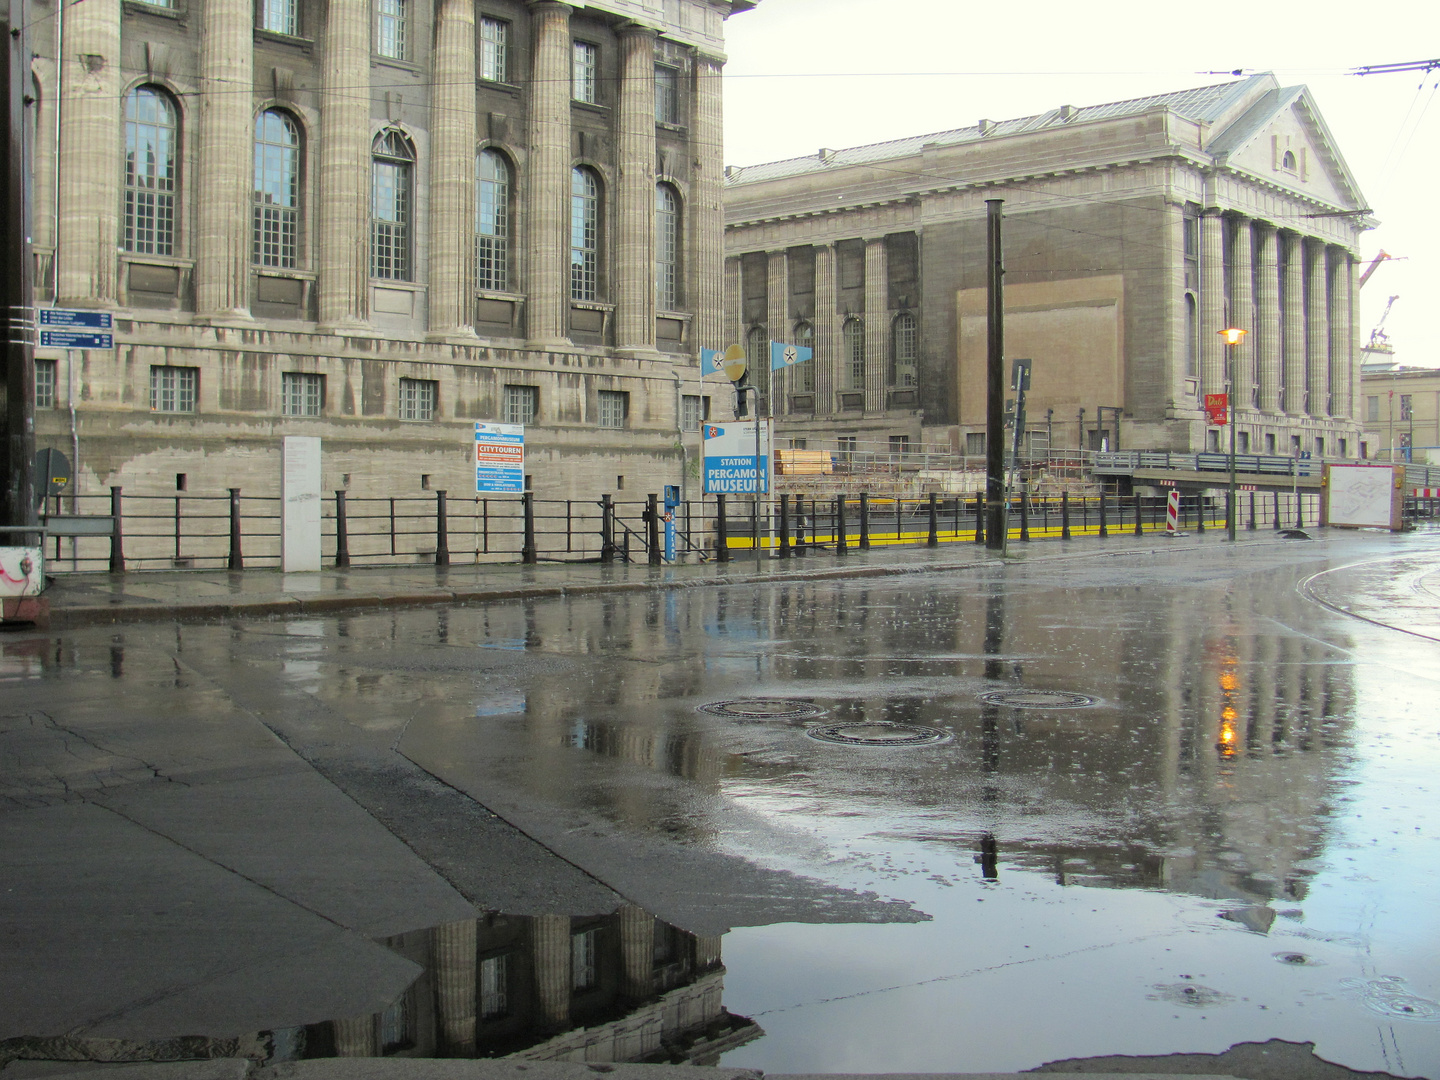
1282	139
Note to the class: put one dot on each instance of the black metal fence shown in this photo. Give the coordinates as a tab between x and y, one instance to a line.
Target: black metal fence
235	531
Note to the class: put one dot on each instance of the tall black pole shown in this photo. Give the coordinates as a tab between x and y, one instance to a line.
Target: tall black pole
995	529
17	301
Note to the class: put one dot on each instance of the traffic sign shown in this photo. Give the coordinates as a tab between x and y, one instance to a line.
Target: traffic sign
75	339
76	319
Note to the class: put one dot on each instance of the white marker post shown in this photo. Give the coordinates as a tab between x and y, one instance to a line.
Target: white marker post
300	505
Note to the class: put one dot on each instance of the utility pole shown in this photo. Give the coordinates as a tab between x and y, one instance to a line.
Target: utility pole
995	526
17	301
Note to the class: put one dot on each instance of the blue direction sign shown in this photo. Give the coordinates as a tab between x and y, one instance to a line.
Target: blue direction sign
75	339
76	319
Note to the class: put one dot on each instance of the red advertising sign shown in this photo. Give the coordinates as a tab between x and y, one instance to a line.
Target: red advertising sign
1217	408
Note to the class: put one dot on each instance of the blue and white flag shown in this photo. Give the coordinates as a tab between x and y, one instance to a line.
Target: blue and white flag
783	356
711	361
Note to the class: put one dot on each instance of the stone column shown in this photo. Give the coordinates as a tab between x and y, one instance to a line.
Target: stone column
1317	331
1242	315
1212	302
1352	294
732	327
454	975
548	288
225	178
705	213
777	326
637	952
452	170
1267	322
344	188
1342	403
827	330
635	202
1293	303
90	157
877	324
552	966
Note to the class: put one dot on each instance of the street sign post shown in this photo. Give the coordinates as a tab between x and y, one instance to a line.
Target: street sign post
74	328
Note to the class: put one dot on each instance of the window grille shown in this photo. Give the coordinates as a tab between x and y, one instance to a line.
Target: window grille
417	399
905	334
692	412
584	234
390	207
853	335
174	389
583	960
667	247
614	408
492	221
302	393
277	191
522	404
804	373
391	26
495	50
279	16
494	987
667	94
151	172
584	72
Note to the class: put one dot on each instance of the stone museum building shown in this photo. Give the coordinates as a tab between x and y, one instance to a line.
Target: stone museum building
378	222
1133	232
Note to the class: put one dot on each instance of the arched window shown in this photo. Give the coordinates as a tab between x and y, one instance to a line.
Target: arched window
667	248
804	373
152	171
391	206
1288	161
584	235
492	221
757	353
904	337
852	339
277	190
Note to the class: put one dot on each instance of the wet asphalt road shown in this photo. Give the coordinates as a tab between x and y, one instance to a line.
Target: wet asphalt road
1229	838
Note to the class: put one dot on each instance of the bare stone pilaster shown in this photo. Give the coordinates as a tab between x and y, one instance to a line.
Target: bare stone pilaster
90	162
705	213
827	330
732	329
548	287
1267	322
1293	309
635	236
223	213
1317	330
1352	300
453	973
877	324
452	170
1212	302
1342	356
344	189
551	937
1242	315
777	325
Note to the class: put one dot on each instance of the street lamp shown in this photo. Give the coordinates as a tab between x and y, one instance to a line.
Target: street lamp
1232	337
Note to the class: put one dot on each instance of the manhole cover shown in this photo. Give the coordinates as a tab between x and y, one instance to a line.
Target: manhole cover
878	733
763	709
1038	699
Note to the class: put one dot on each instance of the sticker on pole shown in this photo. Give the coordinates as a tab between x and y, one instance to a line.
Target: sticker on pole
732	466
499	458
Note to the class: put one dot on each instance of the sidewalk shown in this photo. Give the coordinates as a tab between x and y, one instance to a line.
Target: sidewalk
77	600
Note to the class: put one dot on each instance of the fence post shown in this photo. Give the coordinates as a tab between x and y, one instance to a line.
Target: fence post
722	541
652	529
1199	513
785	526
864	521
237	560
442	531
1024	514
1299	510
117	536
1065	515
342	532
800	523
841	548
1276	524
527	507
1139	525
1250	527
607	529
933	539
1103	530
979	517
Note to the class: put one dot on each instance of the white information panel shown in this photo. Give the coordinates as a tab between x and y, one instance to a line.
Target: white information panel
732	467
1362	496
300	504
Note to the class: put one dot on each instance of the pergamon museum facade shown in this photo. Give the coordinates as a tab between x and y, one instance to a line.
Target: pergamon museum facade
1134	231
379	224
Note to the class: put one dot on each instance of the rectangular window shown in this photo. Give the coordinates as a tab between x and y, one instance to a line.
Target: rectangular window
667	94
614	408
301	393
278	16
45	384
1270	444
584	72
174	389
583	967
417	399
691	412
390	217
848	444
1405	407
391	17
1372	409
494	987
1319	447
522	404
899	444
495	50
975	444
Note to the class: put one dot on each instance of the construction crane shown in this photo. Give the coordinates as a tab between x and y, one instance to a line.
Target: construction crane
1375	265
1380	340
1391	69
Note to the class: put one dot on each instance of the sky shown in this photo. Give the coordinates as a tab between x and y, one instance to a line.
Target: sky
805	74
